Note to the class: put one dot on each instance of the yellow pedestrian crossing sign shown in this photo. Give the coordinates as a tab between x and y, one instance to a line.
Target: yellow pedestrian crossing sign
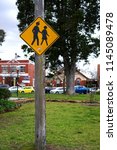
39	36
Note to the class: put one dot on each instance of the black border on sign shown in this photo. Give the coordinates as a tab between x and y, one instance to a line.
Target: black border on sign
49	27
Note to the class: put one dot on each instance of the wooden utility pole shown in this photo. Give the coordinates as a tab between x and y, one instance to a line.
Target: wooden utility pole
40	105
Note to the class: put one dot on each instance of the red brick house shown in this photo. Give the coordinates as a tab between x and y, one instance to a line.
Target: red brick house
11	70
58	79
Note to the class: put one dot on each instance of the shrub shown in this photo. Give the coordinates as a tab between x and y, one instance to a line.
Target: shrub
1	109
98	92
4	94
6	105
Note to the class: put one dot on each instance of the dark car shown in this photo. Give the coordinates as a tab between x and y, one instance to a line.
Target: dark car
4	86
48	89
81	89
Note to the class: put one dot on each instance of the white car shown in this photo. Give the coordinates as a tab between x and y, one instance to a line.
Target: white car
58	90
14	88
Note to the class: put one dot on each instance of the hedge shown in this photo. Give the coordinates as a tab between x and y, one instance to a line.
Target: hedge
5	94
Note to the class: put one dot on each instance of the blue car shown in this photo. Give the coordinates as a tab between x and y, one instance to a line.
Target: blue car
81	89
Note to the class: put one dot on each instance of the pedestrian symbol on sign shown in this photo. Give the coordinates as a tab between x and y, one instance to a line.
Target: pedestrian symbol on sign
39	36
35	33
44	35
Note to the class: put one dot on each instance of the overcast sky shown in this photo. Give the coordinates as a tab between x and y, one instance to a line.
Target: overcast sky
8	22
12	43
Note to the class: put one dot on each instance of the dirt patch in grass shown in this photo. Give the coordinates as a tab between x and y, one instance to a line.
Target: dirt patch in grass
51	147
84	102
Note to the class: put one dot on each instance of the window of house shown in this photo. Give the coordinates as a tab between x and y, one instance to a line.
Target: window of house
22	68
4	68
12	68
78	80
26	78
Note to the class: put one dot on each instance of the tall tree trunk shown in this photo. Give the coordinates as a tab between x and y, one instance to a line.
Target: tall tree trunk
70	75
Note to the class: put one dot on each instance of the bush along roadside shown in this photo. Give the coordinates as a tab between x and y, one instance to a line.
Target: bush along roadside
5	104
5	94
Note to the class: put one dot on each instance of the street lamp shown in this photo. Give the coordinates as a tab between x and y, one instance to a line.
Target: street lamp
17	70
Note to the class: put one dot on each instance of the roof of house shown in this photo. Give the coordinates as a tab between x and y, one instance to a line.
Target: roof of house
59	72
82	74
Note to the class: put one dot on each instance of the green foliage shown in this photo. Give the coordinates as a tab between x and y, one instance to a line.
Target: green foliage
75	22
6	105
4	93
2	36
26	13
98	92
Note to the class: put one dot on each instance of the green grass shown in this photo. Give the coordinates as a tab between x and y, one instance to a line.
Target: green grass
81	97
74	126
23	95
84	97
69	126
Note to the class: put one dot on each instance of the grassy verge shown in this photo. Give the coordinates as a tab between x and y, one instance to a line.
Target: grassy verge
69	126
81	97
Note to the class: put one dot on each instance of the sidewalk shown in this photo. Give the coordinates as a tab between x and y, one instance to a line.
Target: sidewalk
15	98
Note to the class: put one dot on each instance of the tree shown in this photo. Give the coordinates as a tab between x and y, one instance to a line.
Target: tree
25	17
75	22
2	36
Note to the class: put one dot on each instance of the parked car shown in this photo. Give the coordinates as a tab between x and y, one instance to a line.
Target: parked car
48	89
57	90
94	90
13	89
4	86
26	89
81	89
98	90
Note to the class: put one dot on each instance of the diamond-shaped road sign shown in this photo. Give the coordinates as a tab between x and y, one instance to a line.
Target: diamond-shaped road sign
39	36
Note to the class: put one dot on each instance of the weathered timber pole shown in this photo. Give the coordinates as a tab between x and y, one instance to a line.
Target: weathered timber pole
40	105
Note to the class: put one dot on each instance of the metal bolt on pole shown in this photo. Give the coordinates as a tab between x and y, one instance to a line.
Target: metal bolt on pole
40	105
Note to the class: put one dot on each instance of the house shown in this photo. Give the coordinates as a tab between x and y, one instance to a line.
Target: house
58	79
15	72
22	72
